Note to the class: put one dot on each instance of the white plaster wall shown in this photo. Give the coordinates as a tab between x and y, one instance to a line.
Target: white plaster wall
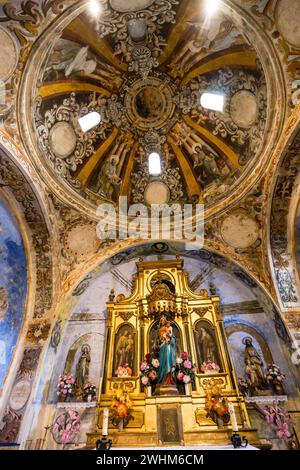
86	317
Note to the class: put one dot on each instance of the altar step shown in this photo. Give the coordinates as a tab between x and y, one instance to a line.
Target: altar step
219	438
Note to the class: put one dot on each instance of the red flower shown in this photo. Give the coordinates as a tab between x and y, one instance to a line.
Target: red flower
148	357
184	356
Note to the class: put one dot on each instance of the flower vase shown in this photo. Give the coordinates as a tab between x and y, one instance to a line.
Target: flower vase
220	422
149	391
121	424
62	398
89	398
187	389
278	389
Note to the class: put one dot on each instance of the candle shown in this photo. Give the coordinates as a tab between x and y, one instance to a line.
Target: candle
105	422
233	417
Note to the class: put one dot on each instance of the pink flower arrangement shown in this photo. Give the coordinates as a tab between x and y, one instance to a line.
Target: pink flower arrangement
153	375
279	419
148	369
123	371
209	366
187	364
274	375
89	392
244	386
65	386
66	427
185	369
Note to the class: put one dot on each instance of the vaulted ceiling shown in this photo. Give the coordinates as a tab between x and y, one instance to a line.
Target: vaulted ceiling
144	67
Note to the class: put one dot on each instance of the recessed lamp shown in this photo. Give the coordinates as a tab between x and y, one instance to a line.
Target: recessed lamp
88	121
94	7
154	164
212	101
211	6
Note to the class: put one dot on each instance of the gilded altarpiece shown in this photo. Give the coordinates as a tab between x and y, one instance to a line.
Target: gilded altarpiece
161	288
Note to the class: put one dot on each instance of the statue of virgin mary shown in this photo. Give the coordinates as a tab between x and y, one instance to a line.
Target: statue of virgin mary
166	347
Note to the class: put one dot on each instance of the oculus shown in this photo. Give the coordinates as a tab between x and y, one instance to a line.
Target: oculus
89	121
149	103
212	101
154	164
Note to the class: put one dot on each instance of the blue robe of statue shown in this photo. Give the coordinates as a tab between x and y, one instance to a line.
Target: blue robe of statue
167	359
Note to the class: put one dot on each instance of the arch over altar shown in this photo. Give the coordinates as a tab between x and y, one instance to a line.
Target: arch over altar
161	330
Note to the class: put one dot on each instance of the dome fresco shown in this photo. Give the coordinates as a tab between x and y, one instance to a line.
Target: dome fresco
144	71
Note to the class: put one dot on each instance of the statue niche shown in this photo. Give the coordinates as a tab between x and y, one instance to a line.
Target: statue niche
165	343
83	367
124	350
206	344
254	367
164	348
154	333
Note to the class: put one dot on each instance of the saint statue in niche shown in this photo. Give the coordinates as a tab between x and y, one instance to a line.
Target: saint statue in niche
254	366
166	348
124	355
154	335
206	346
83	366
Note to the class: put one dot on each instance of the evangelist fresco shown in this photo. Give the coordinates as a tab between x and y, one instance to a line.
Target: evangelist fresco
13	287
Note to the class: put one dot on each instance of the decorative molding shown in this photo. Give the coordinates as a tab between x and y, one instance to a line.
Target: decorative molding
282	259
13	179
73	405
201	311
38	331
267	400
246	307
126	315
